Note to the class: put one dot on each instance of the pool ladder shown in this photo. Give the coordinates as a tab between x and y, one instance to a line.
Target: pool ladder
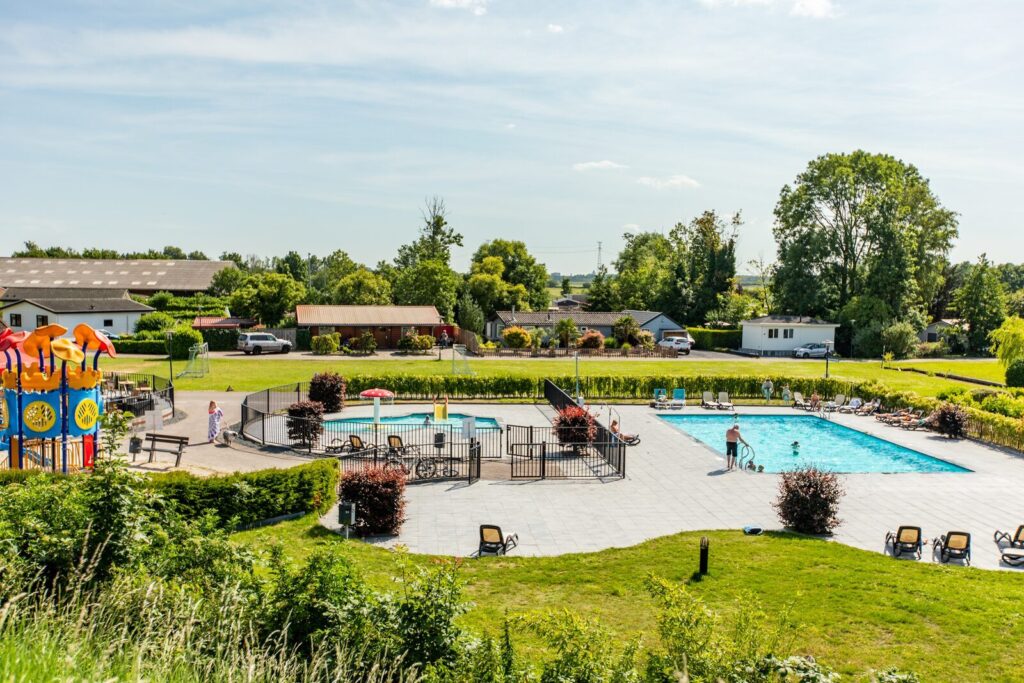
746	458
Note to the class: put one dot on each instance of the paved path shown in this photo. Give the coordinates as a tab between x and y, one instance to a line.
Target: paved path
675	483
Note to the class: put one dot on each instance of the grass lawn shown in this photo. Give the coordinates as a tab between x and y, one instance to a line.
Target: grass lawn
981	368
857	610
251	373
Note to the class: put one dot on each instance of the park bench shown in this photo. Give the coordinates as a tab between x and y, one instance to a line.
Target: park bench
169	443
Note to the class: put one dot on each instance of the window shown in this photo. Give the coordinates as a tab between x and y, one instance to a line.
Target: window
108	322
15	319
42	320
773	333
787	334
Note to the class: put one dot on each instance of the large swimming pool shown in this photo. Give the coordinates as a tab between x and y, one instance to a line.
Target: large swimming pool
823	444
421	419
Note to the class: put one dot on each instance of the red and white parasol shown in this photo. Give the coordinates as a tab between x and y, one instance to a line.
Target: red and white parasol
377	394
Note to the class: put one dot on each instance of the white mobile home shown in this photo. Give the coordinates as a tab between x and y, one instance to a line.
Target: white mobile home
778	335
26	308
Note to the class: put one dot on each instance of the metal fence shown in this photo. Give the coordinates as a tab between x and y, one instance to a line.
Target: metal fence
560	352
605	444
536	453
446	459
136	392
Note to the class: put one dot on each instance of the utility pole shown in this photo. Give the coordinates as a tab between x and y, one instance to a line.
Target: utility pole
599	255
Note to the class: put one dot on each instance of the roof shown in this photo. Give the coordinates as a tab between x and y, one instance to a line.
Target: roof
207	322
21	293
366	316
787	320
110	304
585	318
137	275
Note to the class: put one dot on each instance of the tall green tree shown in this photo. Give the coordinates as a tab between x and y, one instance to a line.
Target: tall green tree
644	268
704	271
469	314
436	238
859	223
267	297
491	291
428	283
325	274
603	294
226	281
520	268
566	286
293	265
981	304
362	287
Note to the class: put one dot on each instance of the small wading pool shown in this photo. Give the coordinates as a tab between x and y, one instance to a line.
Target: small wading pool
420	420
823	444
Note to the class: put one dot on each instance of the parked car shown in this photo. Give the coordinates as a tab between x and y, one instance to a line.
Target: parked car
262	342
680	344
812	350
113	336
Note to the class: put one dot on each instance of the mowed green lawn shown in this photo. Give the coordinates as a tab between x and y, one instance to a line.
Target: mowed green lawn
981	368
857	610
253	373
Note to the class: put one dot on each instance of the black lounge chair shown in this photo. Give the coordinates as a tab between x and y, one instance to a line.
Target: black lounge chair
355	445
1013	556
493	542
906	539
954	545
397	447
1015	541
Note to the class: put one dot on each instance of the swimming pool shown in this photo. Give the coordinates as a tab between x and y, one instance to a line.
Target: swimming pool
824	444
420	419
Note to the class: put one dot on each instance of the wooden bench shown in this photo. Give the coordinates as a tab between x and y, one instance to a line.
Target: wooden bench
172	444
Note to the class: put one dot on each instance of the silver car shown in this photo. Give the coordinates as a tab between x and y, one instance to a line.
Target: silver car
262	342
680	344
812	350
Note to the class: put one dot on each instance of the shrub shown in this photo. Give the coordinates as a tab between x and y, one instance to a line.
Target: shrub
515	337
156	321
707	339
252	496
931	350
160	301
645	340
951	421
626	348
591	339
1002	403
183	338
156	347
305	422
324	344
809	500
328	389
1015	374
220	340
416	343
611	343
899	338
379	496
574	425
364	343
626	329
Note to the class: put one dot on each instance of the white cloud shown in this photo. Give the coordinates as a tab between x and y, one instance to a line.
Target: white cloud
556	28
603	165
818	9
734	3
510	126
672	181
477	7
631	227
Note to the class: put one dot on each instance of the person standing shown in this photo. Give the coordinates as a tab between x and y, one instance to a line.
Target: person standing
767	389
787	395
216	415
732	440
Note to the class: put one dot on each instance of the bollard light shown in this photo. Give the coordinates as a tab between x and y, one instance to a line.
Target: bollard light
704	545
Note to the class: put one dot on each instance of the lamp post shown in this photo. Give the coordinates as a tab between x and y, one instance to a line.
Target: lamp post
576	355
853	336
170	363
827	354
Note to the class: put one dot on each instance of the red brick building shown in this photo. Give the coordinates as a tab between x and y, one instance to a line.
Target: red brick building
387	323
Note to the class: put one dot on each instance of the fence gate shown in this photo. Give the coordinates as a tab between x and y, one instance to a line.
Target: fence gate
536	454
527	449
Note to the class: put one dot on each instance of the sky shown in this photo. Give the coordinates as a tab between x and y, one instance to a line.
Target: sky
262	127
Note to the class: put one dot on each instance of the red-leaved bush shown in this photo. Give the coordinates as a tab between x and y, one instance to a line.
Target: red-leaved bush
379	496
305	422
809	500
574	425
328	388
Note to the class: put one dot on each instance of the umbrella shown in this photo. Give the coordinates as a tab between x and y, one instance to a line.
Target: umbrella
376	395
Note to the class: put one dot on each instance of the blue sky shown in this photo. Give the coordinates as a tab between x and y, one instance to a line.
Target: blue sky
261	127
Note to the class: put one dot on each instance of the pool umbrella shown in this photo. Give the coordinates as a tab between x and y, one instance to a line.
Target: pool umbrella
376	395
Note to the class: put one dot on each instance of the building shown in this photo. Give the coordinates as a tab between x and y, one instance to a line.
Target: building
387	323
658	324
207	322
572	302
933	332
143	276
26	308
778	335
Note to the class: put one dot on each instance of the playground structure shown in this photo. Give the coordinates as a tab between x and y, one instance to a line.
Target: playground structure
52	399
198	361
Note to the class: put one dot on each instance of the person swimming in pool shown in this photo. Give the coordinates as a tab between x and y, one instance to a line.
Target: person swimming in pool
796	448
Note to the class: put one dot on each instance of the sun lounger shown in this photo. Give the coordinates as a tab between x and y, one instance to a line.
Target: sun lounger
852	407
678	399
708	401
1014	541
660	399
1013	556
799	402
954	545
906	539
723	401
397	447
835	404
355	445
493	542
869	408
919	423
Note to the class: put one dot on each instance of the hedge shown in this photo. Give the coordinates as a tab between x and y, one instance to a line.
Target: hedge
154	346
220	340
707	339
253	496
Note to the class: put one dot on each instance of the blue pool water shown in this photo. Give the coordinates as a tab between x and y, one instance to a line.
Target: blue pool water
454	419
824	444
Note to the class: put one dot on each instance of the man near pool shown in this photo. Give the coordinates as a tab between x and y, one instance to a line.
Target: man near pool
732	441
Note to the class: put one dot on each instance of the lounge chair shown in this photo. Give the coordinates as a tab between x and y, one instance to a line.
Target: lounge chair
953	545
708	401
723	401
906	539
1014	541
493	542
906	419
660	399
1013	556
835	404
799	402
355	445
853	406
919	423
869	408
397	447
678	399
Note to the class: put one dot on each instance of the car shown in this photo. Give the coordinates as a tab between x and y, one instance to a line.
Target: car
262	342
680	344
113	336
812	350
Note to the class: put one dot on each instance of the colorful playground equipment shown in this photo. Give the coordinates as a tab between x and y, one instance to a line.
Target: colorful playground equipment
52	399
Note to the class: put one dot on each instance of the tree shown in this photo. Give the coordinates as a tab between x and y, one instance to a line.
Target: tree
234	257
855	224
566	286
492	292
226	280
293	265
566	331
197	256
626	329
764	274
436	238
428	283
266	297
644	268
363	288
603	294
705	268
175	253
981	304
1008	341
325	274
519	268
470	314
899	339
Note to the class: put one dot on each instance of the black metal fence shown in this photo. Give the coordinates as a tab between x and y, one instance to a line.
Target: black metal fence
536	453
444	460
136	392
608	446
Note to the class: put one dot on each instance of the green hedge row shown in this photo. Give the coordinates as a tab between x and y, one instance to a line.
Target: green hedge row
153	346
707	339
221	340
253	496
